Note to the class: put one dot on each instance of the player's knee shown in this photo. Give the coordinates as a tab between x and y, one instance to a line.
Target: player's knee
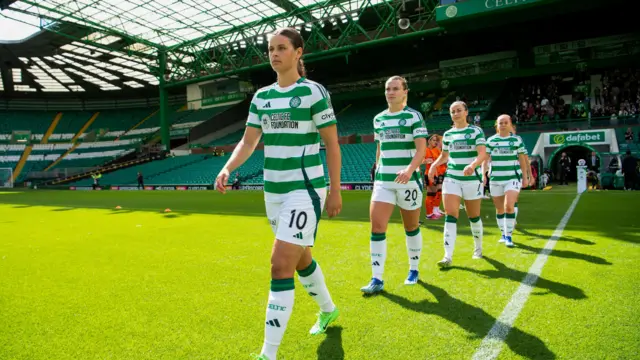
411	228
280	268
378	227
510	208
452	212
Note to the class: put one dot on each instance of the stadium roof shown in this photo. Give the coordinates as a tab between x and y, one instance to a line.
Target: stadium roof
192	39
172	23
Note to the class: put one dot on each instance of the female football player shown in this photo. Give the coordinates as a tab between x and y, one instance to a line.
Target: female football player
292	114
463	149
401	136
507	158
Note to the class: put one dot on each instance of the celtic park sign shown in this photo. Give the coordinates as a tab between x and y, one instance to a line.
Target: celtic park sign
577	137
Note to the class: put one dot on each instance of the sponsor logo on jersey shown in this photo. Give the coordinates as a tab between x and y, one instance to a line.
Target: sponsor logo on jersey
328	116
421	131
461	146
391	134
279	120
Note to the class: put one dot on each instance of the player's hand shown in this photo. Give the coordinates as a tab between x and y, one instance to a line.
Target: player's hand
403	177
431	174
427	161
334	203
484	179
468	170
525	183
221	180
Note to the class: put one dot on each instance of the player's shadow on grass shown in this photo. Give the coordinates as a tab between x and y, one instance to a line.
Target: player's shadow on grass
472	319
121	211
22	206
501	271
567	254
572	239
63	209
331	347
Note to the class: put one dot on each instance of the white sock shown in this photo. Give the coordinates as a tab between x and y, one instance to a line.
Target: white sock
450	233
279	311
378	254
509	224
516	210
500	219
313	281
476	231
414	248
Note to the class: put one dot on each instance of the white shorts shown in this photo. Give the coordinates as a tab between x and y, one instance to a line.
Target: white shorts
295	219
407	199
467	190
501	188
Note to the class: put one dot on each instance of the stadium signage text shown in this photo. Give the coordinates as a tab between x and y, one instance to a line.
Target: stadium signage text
225	98
577	137
464	10
492	4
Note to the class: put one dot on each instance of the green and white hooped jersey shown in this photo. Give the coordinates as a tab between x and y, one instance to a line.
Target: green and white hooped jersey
504	153
290	118
396	133
461	145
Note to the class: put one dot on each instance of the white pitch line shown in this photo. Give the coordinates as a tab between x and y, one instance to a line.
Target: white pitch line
492	343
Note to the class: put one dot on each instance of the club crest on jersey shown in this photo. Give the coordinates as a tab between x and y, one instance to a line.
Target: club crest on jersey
511	143
295	102
402	122
468	136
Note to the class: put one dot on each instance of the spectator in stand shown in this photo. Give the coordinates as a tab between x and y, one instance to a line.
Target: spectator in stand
629	170
476	120
628	136
596	95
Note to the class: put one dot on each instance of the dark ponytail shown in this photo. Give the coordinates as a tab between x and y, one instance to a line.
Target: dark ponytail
297	42
302	71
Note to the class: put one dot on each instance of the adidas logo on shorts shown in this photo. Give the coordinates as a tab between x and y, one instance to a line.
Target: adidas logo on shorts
298	236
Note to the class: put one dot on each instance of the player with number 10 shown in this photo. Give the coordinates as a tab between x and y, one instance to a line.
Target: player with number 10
292	115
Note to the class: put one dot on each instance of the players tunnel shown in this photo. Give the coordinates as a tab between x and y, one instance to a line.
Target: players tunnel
575	152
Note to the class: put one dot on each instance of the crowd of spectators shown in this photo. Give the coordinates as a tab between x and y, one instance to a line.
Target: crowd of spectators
540	100
619	96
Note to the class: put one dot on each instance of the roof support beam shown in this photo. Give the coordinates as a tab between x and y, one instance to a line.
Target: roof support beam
289	7
268	20
347	34
81	21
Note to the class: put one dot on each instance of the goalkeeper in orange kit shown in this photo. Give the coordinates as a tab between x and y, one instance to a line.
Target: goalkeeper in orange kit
434	189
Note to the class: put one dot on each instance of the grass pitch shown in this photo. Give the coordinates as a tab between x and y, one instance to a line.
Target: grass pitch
81	280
